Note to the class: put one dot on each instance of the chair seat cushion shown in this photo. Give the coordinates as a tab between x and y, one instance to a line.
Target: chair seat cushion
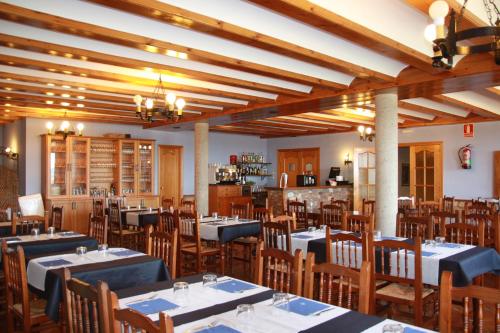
402	291
204	250
127	232
378	283
37	308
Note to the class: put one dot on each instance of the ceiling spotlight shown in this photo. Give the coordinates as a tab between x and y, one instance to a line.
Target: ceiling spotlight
49	102
80	97
49	93
80	105
81	88
50	84
64	103
65	95
66	86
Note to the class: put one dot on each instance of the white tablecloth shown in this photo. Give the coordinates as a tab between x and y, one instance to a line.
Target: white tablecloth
209	227
41	237
36	272
133	217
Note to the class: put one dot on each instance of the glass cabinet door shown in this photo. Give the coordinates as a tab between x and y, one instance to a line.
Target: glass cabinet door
79	162
127	167
58	164
145	167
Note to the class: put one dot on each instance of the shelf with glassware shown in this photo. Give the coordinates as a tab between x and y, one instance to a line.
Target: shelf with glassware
136	161
252	165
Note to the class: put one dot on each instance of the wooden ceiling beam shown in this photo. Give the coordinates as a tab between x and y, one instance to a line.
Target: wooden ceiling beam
38	19
301	122
194	21
326	20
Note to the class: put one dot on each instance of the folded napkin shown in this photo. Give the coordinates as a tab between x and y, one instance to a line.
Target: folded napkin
55	262
304	307
302	236
153	306
68	233
218	329
124	253
412	330
450	245
234	286
12	239
424	253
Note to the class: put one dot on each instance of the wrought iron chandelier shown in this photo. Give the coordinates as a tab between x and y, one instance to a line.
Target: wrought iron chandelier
366	133
162	103
446	47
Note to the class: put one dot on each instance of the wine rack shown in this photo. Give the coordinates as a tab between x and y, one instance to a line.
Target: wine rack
103	167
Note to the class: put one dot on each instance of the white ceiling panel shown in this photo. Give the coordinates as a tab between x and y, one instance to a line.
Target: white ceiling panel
476	99
438	106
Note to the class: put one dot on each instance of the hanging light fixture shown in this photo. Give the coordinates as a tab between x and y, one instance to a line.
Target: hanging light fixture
162	103
65	129
366	133
445	44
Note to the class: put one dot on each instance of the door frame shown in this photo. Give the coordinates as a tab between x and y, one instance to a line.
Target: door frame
284	150
426	143
180	164
356	204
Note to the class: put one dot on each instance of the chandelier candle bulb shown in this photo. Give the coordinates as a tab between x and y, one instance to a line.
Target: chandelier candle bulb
49	127
80	128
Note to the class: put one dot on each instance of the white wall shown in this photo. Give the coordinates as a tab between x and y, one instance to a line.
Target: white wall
457	182
220	147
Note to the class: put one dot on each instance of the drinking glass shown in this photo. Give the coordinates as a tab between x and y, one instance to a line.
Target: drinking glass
81	250
224	219
280	299
244	312
440	240
35	232
311	229
393	328
215	215
128	207
51	231
430	242
323	227
377	234
236	218
181	292
103	249
209	280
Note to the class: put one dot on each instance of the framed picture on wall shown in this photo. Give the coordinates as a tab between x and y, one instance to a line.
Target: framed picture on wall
405	174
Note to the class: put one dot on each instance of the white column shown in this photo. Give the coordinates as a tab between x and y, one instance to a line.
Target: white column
201	166
386	149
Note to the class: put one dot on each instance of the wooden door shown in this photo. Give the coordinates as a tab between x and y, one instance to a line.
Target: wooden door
289	162
310	161
364	176
496	185
170	175
426	179
81	211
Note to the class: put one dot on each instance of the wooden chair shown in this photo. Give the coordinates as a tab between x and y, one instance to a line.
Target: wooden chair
85	308
477	207
290	219
442	218
464	233
426	208
413	227
338	285
402	289
345	204
24	224
168	221
163	245
368	207
279	270
120	234
242	210
200	252
346	250
167	203
98	207
31	313
358	223
406	205
277	235
187	206
491	226
261	213
475	300
128	320
98	228
447	204
300	210
331	215
57	217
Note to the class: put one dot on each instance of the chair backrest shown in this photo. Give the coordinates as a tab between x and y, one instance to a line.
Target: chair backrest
242	210
16	285
414	226
24	224
442	218
405	204
464	233
368	207
290	219
98	207
163	245
299	208
358	223
128	320
331	215
338	285
447	204
345	204
475	301
85	308
491	226
346	249
477	207
98	228
115	217
166	203
426	208
261	213
57	217
279	270
187	206
277	235
168	221
188	227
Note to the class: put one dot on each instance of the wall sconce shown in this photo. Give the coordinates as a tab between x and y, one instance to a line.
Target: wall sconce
347	160
7	151
366	133
65	129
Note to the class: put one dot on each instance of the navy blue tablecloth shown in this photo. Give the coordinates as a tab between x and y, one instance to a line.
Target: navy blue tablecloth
6	231
119	274
350	322
145	218
231	232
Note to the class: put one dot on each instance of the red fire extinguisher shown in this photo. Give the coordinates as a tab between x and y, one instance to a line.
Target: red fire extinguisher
464	154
